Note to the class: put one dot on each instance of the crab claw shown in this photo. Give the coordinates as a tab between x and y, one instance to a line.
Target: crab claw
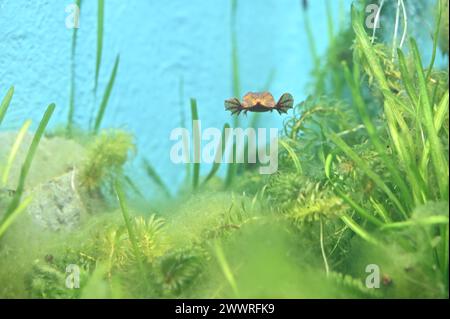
285	103
233	105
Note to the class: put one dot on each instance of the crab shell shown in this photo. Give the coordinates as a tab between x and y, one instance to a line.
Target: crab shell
258	102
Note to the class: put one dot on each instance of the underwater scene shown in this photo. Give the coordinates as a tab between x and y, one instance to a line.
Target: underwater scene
229	149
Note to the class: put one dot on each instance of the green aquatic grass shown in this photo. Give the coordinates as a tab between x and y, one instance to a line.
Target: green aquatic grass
5	103
196	136
183	121
417	164
13	152
106	95
154	176
400	137
216	164
311	39
293	156
438	159
130	227
71	113
236	85
6	223
100	31
221	258
15	202
13	211
437	29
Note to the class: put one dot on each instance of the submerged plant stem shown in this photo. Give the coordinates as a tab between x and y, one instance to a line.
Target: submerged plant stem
129	226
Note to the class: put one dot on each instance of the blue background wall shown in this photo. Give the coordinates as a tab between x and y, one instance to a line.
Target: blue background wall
160	43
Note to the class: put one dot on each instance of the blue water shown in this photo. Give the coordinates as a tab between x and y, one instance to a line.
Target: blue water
161	44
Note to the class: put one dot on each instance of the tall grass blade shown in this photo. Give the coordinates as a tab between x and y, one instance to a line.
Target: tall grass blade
13	152
130	229
368	171
438	160
154	176
427	221
330	24
100	27
358	209
71	114
197	139
6	223
406	77
104	103
28	160
220	255
236	85
441	112
293	156
133	186
359	230
222	147
435	39
373	134
5	103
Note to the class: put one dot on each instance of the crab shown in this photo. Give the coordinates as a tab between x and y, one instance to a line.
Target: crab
259	102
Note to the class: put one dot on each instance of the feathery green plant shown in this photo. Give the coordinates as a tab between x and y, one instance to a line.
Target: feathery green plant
106	156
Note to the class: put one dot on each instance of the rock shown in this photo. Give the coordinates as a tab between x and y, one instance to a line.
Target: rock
56	204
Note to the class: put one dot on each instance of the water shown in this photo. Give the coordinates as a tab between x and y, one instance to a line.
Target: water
131	191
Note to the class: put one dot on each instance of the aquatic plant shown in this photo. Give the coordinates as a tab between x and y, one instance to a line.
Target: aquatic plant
100	28
71	113
415	135
107	154
403	112
107	94
363	179
16	205
109	87
5	103
443	27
